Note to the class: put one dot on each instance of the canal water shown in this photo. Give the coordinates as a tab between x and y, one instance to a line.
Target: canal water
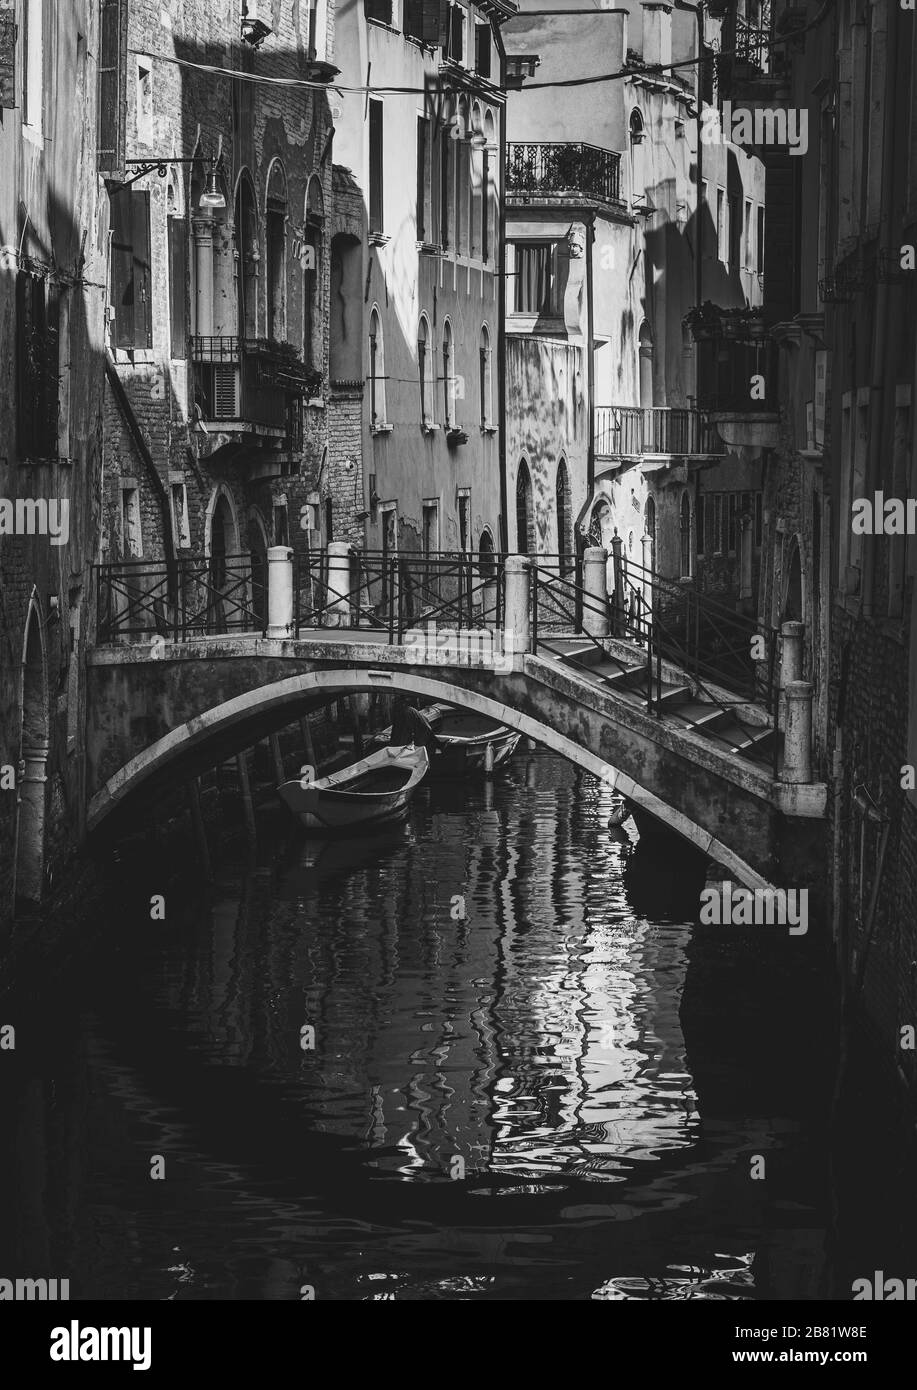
487	1055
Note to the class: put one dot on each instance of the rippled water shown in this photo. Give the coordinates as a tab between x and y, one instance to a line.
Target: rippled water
532	1076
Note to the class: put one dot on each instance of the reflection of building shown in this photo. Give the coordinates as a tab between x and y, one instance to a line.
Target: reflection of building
416	302
216	437
53	226
605	223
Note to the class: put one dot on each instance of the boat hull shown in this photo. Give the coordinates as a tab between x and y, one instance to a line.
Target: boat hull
347	801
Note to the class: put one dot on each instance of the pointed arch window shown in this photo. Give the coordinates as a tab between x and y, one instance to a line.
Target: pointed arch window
425	371
376	371
449	380
525	528
486	379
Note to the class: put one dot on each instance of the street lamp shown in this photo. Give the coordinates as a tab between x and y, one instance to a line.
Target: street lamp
212	196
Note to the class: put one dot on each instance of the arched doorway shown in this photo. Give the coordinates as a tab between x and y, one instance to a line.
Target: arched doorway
525	524
29	853
564	520
257	553
487	569
224	579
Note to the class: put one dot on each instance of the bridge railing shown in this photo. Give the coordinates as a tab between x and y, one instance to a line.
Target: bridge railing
392	593
186	598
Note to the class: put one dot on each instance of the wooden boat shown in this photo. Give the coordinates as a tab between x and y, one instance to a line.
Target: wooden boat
459	739
374	791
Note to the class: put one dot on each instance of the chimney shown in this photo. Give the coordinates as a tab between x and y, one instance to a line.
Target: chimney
657	34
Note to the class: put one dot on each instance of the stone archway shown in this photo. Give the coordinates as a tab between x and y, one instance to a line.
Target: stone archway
29	853
222	549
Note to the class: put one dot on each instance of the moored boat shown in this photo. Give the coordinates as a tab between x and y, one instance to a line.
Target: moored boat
460	739
374	791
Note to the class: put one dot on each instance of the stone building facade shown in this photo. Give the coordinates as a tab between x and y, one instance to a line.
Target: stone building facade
217	404
53	255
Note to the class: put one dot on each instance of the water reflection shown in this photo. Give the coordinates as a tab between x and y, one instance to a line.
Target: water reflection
498	1104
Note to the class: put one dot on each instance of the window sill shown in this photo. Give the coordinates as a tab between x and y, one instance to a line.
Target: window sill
429	428
316	404
378	239
382	24
381	429
489	429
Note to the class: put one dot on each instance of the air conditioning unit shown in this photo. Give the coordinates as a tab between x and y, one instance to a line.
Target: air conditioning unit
257	21
226	401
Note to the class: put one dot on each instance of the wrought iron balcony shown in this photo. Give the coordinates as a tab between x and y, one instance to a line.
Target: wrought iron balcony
629	431
563	170
245	381
752	43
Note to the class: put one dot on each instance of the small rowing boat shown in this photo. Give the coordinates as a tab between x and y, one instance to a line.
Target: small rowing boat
374	791
457	739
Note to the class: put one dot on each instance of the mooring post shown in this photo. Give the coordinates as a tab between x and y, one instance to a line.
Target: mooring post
797	739
197	824
337	606
245	788
517	629
619	616
790	663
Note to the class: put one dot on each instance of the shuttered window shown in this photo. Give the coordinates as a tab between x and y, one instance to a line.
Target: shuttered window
37	366
178	271
7	53
482	49
112	102
376	221
130	269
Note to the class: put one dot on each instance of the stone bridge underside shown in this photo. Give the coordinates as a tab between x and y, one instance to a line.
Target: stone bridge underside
162	714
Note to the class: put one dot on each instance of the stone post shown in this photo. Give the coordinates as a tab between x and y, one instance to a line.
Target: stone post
203	267
279	591
797	742
517	628
790	664
595	595
618	614
337	611
647	544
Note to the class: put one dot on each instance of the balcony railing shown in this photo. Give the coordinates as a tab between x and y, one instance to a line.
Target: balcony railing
752	44
561	169
634	430
241	381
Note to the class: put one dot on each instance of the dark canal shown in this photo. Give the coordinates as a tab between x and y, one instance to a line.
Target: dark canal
558	1093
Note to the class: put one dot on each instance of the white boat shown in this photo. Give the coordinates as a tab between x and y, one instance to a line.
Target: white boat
460	738
374	791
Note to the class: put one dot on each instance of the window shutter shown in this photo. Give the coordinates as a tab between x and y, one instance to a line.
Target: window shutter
122	270
49	385
143	316
25	396
178	272
436	23
455	33
112	98
482	49
375	166
7	53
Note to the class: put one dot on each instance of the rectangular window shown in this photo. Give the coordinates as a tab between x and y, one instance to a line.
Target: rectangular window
313	30
721	225
181	526
445	187
464	513
485	205
748	262
430	527
144	102
131	532
178	302
759	243
379	10
735	234
463	196
112	63
412	23
482	49
423	178
376	221
534	278
456	46
37	366
130	269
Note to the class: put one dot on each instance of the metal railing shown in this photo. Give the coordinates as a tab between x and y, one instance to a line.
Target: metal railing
394	593
188	598
556	168
624	429
752	43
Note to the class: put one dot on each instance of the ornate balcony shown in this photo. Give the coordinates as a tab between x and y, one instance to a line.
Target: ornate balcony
563	171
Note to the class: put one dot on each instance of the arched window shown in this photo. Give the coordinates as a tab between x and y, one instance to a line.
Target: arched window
463	179
376	370
525	527
488	188
486	563
486	379
637	136
649	522
276	237
685	536
447	144
248	257
562	509
449	382
309	248
425	371
476	147
646	369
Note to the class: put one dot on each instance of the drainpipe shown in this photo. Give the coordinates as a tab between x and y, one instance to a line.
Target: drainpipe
879	394
501	302
133	425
